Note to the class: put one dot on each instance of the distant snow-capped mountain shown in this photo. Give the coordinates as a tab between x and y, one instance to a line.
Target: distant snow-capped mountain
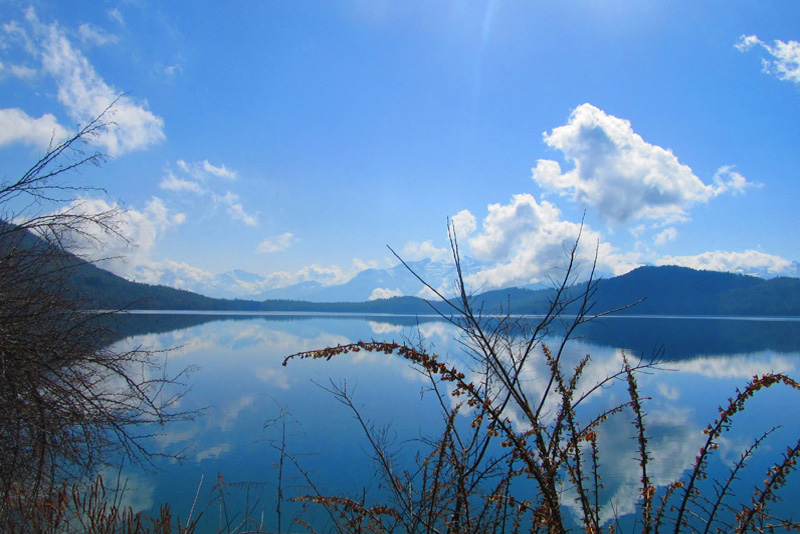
366	285
379	283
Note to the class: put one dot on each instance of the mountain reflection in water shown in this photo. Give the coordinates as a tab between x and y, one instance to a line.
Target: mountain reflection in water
241	386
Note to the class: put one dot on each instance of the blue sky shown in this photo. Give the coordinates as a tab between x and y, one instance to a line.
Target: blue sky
295	140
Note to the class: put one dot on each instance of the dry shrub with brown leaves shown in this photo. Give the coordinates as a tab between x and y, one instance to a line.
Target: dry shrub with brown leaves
526	457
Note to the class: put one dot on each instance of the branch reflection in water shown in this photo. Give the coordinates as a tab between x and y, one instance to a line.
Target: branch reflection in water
242	385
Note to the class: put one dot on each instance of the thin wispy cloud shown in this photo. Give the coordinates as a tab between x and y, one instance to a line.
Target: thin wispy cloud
194	176
665	236
83	92
746	262
93	35
783	57
235	209
277	243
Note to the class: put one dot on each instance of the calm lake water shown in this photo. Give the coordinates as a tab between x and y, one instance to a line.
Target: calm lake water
242	390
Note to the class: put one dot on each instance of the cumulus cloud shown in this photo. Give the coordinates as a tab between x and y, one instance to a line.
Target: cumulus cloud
16	126
325	275
137	232
414	251
384	293
382	329
526	240
169	272
464	223
620	174
743	366
276	243
784	62
747	262
82	91
666	235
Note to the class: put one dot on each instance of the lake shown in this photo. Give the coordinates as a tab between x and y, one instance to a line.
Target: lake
250	406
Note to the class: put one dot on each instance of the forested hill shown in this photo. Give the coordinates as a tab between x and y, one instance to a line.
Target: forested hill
672	290
666	290
100	289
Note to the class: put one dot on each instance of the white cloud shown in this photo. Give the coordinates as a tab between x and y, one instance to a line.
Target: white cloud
785	62
168	272
743	366
115	15
83	92
384	293
136	234
325	275
728	180
464	223
747	262
93	35
213	452
222	171
19	35
202	170
382	329
620	174
276	243
413	251
23	72
235	209
16	126
668	234
273	377
193	176
173	183
526	240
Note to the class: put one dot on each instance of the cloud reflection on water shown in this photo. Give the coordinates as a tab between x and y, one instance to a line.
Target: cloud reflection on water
243	383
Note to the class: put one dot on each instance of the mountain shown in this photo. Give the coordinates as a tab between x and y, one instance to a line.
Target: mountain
366	285
376	283
667	290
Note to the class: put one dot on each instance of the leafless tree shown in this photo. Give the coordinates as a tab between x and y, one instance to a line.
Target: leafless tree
67	399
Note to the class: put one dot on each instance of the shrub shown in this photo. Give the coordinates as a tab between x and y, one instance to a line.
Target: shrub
525	455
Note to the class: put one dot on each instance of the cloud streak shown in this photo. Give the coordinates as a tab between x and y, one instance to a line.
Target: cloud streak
747	262
277	243
784	62
81	90
235	209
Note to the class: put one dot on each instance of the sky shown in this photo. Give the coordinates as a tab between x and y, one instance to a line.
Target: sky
296	140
